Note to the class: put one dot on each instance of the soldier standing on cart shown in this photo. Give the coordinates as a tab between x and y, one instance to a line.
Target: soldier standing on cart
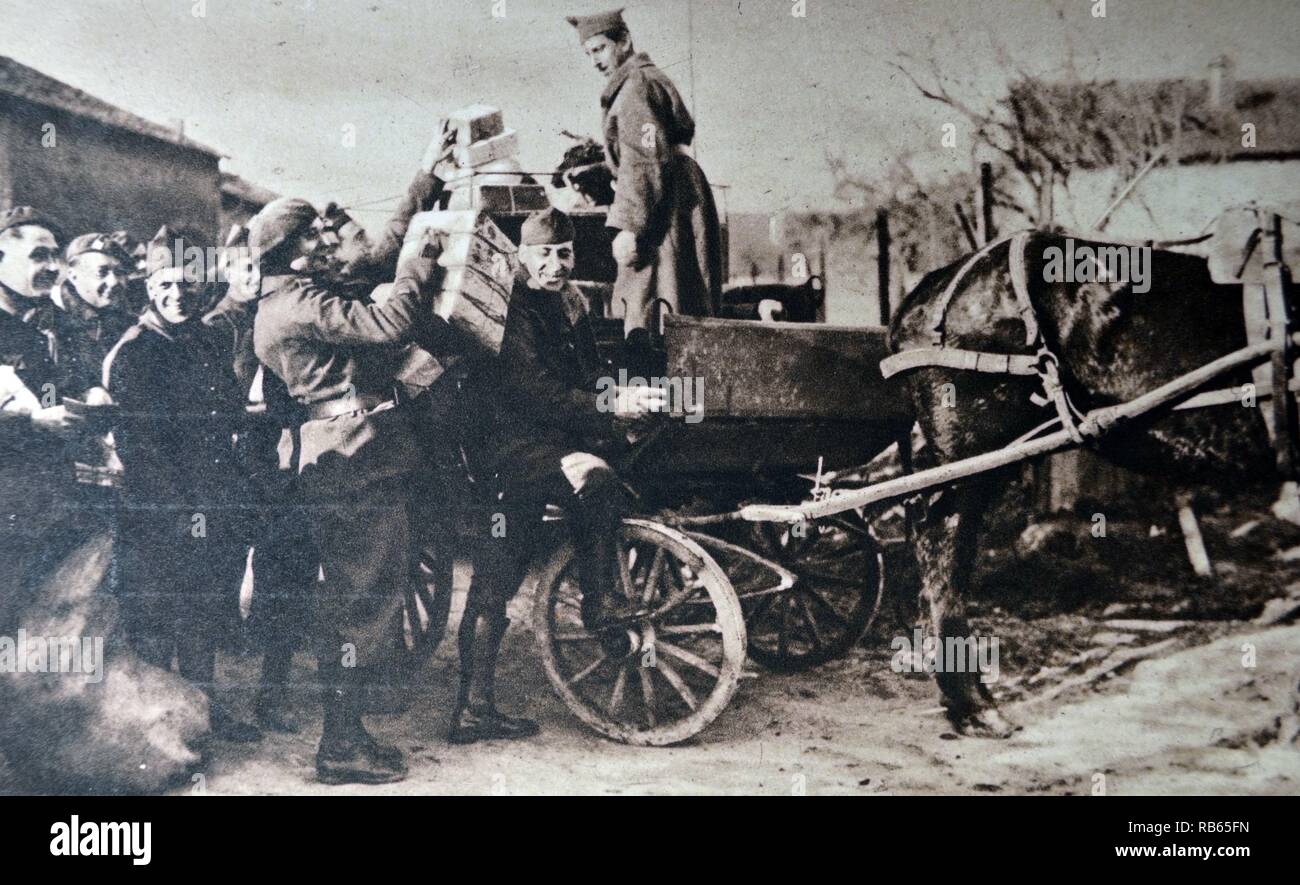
669	244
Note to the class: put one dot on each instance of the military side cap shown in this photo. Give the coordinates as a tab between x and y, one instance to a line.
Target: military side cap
105	244
181	248
158	251
546	227
19	216
601	23
278	221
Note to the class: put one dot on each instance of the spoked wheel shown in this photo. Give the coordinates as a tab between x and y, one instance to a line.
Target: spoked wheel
833	602
687	640
427	607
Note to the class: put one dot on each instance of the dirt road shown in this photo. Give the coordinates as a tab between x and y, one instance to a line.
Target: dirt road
1195	721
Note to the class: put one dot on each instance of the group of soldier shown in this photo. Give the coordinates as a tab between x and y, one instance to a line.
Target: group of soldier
262	406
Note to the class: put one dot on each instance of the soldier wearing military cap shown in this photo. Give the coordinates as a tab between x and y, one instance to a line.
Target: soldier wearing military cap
35	475
284	562
91	315
552	442
338	357
669	244
29	272
181	531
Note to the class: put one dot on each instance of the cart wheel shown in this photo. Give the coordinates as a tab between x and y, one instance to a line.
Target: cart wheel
832	604
688	640
427	607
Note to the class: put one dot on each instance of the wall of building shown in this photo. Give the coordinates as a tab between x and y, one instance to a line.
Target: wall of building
236	211
1176	202
95	177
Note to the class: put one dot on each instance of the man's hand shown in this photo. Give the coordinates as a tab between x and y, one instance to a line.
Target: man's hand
58	420
639	401
625	249
440	149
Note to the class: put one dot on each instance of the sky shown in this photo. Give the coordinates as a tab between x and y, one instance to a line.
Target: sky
280	85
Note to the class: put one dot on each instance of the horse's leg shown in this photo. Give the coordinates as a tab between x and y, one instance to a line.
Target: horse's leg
944	543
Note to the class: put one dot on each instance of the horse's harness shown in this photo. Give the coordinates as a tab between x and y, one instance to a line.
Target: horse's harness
1043	362
1259	266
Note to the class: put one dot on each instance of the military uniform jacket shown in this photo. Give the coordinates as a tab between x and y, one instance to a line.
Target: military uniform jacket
547	387
34	472
662	195
24	349
232	322
268	441
82	339
326	347
181	408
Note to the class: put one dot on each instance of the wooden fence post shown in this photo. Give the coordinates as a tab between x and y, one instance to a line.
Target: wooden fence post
882	263
987	233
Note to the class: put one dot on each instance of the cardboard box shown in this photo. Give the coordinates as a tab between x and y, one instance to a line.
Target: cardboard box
476	303
499	147
477	247
478	122
480	268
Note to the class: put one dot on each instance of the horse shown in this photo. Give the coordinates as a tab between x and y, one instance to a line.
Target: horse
1112	341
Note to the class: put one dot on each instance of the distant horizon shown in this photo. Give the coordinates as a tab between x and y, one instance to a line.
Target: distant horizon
279	86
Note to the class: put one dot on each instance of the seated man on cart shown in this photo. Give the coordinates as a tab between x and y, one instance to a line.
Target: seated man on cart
552	441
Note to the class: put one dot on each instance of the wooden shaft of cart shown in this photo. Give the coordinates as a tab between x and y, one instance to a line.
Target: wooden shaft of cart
1095	423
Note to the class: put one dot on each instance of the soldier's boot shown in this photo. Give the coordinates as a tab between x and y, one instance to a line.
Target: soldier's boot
196	659
599	512
273	695
476	717
348	754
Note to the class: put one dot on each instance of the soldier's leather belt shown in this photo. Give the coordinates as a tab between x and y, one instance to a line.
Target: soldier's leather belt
346	406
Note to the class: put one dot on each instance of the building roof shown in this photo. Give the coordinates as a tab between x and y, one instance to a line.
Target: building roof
18	80
245	191
1138	111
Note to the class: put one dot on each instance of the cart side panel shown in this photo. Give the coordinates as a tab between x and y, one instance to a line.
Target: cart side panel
786	370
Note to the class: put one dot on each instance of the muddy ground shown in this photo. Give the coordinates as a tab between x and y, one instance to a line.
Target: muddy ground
1128	675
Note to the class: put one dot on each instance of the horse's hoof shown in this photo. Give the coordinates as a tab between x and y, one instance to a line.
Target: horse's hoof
985	723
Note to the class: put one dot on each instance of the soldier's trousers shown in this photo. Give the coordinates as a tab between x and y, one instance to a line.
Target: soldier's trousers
593	517
285	567
175	577
364	534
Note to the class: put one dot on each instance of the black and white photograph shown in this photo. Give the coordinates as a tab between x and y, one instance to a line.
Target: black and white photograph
789	398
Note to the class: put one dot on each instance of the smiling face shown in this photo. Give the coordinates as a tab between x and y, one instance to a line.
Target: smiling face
174	298
98	279
549	265
29	260
606	53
